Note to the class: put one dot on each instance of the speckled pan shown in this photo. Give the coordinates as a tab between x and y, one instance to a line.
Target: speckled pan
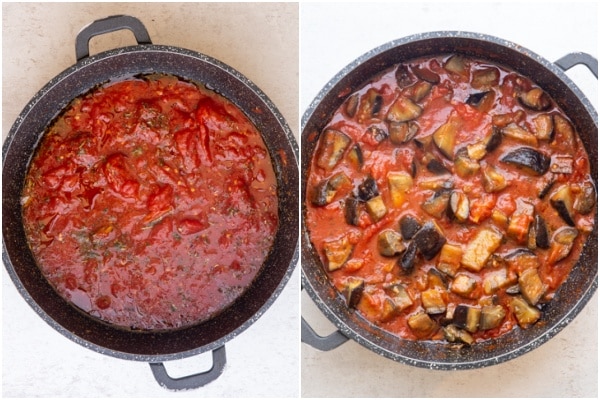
21	144
574	293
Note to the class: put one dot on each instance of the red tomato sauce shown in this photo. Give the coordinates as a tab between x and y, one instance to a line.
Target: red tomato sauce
421	302
151	203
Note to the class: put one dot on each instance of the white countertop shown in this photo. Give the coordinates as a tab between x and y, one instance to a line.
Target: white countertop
258	40
334	35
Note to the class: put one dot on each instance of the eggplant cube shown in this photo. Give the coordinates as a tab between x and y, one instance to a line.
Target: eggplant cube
467	317
389	243
478	250
526	314
422	325
433	301
376	208
399	184
450	257
463	285
332	146
337	253
491	317
531	286
353	291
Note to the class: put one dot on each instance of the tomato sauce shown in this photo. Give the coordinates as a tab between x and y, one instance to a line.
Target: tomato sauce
151	203
491	171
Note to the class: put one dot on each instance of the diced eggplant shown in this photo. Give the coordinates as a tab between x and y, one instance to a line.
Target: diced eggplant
418	91
453	334
437	204
493	140
493	181
423	142
477	99
433	301
495	280
388	310
484	79
400	295
389	243
463	285
562	201
403	109
355	156
326	190
450	257
399	184
476	151
353	291
429	240
531	286
499	218
541	232
521	259
457	64
561	164
404	77
528	159
337	252
544	127
535	99
480	248
438	184
520	220
585	199
402	132
520	134
513	290
332	146
352	210
368	189
491	317
376	208
459	206
464	166
526	314
409	225
376	134
466	317
436	279
369	106
564	132
422	325
408	258
444	138
426	74
562	243
352	105
544	185
436	166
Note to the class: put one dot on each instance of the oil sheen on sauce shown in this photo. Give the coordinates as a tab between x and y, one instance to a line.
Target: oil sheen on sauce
486	166
151	203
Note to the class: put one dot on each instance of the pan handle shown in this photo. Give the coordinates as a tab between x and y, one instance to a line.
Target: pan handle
323	343
572	59
107	25
193	381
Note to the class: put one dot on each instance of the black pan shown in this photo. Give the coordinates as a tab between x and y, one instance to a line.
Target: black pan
573	294
152	347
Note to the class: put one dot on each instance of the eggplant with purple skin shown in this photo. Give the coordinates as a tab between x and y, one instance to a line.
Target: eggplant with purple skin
491	317
562	243
403	109
535	99
368	189
436	166
332	145
528	159
369	106
429	240
352	210
467	317
377	134
402	132
407	260
437	204
353	291
459	206
409	226
453	335
355	156
326	190
426	74
562	201
389	243
404	77
541	232
585	200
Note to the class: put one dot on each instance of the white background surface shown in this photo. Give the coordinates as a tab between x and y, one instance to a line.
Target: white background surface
334	35
261	42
